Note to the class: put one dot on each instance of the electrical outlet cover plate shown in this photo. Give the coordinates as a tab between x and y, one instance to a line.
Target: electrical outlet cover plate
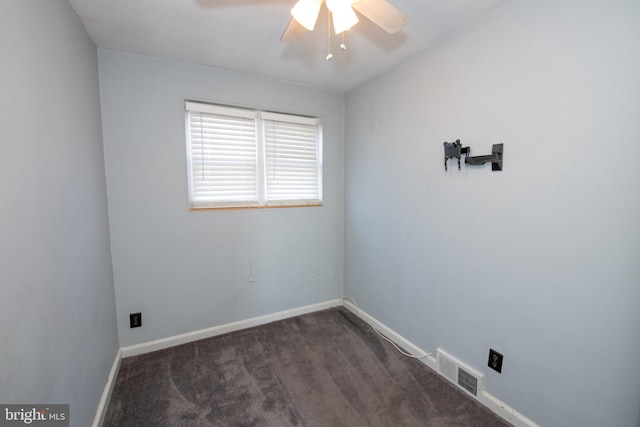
135	320
495	360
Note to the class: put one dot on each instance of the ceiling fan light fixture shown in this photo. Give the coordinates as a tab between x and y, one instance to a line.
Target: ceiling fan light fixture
306	12
344	16
343	21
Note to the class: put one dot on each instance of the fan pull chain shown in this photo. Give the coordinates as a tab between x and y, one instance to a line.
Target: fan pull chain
342	45
329	54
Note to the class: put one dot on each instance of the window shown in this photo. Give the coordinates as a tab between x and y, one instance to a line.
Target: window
240	158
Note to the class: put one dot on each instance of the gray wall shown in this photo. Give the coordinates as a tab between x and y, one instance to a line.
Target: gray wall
57	311
190	270
539	261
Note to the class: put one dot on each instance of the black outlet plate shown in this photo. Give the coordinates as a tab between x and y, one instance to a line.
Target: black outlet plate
135	320
495	360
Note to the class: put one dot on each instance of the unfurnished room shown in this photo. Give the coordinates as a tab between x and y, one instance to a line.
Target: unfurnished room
320	213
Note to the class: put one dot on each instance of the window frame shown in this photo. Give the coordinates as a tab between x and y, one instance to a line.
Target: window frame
259	116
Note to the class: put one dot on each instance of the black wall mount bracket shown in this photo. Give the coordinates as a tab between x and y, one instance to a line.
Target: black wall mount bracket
452	150
455	150
495	157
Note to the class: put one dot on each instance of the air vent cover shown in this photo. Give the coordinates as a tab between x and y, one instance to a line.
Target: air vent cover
467	381
458	373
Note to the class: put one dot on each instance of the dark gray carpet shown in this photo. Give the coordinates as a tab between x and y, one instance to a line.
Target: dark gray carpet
322	369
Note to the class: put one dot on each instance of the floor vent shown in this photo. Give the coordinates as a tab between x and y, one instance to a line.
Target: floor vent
458	373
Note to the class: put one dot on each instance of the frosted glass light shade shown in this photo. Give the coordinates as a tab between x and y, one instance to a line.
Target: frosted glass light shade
343	15
306	12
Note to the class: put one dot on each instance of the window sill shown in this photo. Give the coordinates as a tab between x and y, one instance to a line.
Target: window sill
244	208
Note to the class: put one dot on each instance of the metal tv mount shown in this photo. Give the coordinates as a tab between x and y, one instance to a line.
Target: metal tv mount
454	150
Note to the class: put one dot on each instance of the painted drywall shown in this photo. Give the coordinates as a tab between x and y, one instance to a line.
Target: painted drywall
186	270
58	335
539	261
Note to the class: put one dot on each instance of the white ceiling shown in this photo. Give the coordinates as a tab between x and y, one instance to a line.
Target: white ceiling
244	36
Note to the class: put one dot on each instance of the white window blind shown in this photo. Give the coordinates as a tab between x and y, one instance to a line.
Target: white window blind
291	158
222	152
240	157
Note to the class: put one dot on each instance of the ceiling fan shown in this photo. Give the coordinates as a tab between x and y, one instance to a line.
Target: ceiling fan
305	14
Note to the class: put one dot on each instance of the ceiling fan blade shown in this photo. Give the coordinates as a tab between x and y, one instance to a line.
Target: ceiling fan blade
293	32
382	13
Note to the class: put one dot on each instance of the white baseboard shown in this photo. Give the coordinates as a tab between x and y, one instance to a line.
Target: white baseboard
106	394
404	343
134	350
505	411
487	399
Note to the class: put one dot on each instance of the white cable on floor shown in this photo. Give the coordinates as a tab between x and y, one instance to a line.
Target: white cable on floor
415	356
